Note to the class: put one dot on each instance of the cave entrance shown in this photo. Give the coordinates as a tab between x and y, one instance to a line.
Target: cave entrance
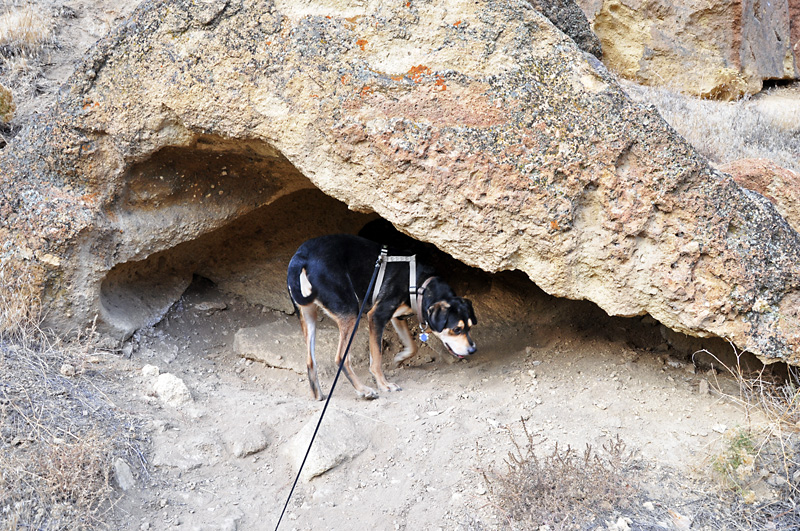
235	212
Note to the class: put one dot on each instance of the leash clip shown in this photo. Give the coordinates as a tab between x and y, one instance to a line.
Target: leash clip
382	256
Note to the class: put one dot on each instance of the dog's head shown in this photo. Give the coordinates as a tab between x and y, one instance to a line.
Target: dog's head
450	321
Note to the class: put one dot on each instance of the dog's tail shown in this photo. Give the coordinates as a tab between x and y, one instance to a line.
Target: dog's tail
300	289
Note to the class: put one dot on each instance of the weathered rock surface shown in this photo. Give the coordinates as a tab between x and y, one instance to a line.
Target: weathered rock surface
567	16
779	185
171	390
249	439
794	23
476	126
275	343
711	49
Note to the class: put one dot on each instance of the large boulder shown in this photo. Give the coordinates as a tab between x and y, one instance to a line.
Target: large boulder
711	49
476	126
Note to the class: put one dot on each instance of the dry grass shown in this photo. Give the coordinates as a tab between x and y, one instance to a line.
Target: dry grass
764	454
26	36
24	29
59	430
760	127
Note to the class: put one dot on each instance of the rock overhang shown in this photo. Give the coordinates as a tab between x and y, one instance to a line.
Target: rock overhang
496	139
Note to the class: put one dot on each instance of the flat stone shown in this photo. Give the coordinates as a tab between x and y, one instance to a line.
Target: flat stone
340	439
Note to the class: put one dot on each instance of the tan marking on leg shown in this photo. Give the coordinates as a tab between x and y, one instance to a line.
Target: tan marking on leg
308	321
401	327
376	356
346	327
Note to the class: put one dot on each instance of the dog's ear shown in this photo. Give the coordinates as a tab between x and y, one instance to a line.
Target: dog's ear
437	315
471	312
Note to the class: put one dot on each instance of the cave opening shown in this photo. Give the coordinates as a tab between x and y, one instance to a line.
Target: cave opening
231	214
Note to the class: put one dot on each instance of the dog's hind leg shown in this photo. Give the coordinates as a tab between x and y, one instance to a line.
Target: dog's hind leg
376	325
308	320
347	326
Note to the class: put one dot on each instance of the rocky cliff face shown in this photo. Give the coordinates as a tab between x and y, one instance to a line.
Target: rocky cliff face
476	126
720	50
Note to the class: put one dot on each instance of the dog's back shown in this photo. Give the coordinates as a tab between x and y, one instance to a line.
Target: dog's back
333	271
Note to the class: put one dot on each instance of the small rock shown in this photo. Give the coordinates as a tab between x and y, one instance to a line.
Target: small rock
122	473
674	363
719	428
340	439
702	387
622	524
150	371
681	522
171	390
247	441
649	506
67	370
210	307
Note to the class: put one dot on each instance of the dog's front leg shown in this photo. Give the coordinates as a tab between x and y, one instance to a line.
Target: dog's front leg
377	322
409	346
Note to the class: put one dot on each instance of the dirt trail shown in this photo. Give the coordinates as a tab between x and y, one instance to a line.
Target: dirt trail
415	457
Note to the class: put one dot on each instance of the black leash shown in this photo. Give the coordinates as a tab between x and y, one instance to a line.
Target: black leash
335	379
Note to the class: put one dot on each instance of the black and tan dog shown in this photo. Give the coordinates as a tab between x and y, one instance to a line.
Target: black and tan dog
333	273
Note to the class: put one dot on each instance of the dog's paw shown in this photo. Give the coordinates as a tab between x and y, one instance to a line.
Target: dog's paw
391	387
368	393
402	356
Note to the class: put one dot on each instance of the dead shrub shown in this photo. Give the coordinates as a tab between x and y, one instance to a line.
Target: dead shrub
59	430
565	489
766	451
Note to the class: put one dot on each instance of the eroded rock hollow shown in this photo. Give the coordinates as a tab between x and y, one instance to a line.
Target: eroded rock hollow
476	126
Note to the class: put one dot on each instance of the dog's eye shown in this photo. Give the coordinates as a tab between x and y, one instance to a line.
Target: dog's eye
457	330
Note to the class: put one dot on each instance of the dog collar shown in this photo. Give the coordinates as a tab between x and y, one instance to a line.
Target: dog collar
423	323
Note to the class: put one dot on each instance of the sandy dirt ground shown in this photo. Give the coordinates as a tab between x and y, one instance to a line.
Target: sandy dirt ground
412	459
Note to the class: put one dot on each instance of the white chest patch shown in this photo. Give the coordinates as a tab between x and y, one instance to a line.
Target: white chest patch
305	285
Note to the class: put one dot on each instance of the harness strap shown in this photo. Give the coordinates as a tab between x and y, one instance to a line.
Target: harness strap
414	293
381	272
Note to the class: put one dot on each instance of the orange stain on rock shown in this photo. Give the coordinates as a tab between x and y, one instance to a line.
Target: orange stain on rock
416	72
361	43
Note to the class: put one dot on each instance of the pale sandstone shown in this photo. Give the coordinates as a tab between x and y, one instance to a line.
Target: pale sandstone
721	50
476	126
